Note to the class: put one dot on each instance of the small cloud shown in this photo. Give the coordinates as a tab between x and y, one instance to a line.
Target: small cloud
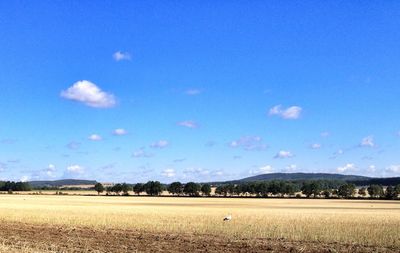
345	168
73	145
371	168
159	144
168	173
120	56
95	137
218	173
13	161
179	160
292	112
89	94
291	168
49	171
325	134
192	92
188	124
120	131
75	169
283	154
393	169
398	133
315	146
196	171
249	143
237	157
367	142
24	179
141	153
262	170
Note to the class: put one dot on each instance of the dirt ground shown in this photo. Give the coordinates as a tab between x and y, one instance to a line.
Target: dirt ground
22	237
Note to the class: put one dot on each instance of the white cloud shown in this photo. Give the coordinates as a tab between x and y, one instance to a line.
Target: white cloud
292	112
159	144
291	167
141	153
188	124
51	168
120	131
24	179
283	154
345	168
371	168
393	169
315	146
95	137
168	173
398	133
75	169
120	56
249	143
73	145
88	93
262	170
192	92
218	173
325	134
367	142
197	171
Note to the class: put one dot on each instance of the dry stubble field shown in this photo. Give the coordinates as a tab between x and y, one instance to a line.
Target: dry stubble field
46	223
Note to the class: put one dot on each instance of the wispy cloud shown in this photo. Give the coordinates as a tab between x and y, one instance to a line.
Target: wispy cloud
73	145
262	170
121	56
168	173
120	131
325	134
95	137
188	124
249	143
141	153
315	146
346	168
159	144
283	154
393	169
192	92
367	142
89	94
293	112
75	169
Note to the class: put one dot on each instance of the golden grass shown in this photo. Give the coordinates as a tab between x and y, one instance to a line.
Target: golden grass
374	223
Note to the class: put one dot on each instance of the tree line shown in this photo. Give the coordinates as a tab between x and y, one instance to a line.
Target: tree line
11	186
311	188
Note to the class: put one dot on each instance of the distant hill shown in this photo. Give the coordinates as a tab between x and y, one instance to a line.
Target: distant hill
303	176
57	183
357	180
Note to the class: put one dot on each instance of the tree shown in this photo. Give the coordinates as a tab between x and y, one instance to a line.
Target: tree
191	189
347	190
311	188
390	192
206	189
175	188
362	191
125	188
397	190
138	188
375	191
153	188
117	188
326	193
99	188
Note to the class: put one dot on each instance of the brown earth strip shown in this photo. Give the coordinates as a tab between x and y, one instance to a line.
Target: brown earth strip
48	238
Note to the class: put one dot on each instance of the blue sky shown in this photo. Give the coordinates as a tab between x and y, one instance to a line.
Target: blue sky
198	90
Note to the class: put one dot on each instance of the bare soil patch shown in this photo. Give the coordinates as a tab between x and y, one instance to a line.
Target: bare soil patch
50	238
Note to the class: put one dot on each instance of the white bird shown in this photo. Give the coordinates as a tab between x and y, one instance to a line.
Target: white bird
228	218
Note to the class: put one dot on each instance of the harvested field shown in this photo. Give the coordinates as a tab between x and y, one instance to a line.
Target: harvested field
36	223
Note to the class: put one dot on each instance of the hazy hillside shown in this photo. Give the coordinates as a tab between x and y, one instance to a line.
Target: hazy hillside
62	182
303	176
